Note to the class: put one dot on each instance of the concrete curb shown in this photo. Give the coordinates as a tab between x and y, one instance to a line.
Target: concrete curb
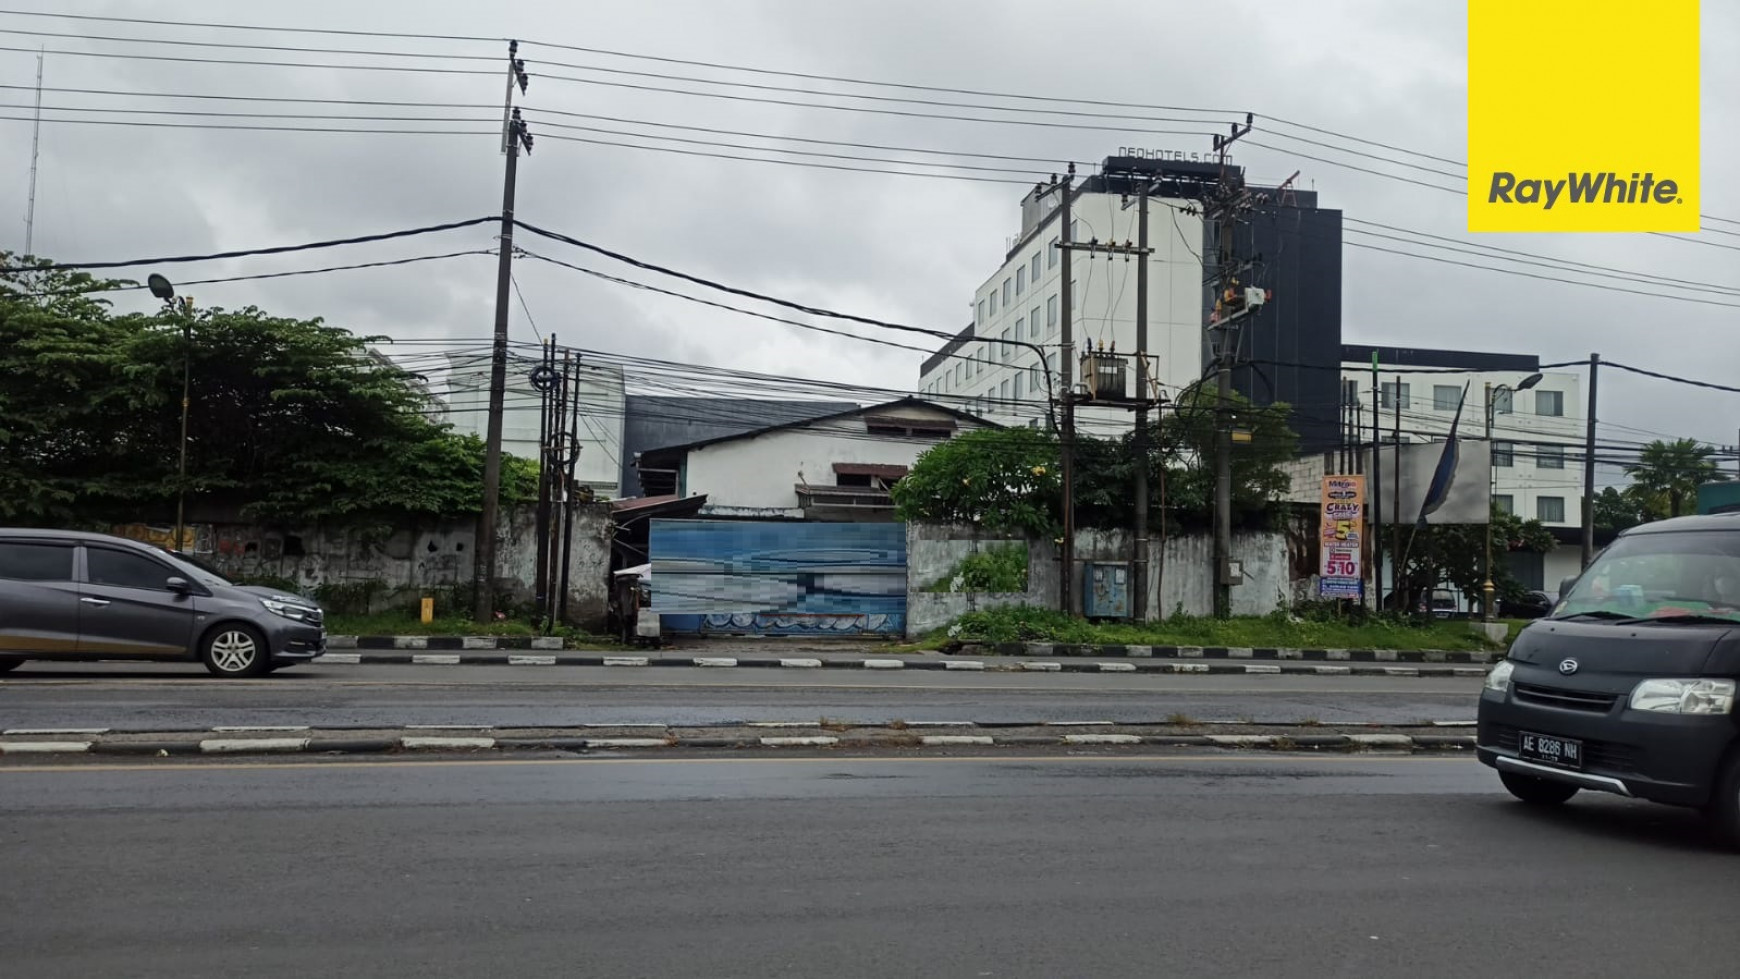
578	741
1242	667
433	644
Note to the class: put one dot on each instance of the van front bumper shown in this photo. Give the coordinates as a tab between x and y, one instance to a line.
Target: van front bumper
1668	758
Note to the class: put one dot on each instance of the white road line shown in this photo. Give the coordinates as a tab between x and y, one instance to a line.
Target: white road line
54	730
435	659
715	661
884	664
351	659
1117	667
1101	739
449	727
1042	667
1262	668
818	742
220	746
447	742
43	747
963	665
626	742
625	661
258	729
524	660
939	740
801	664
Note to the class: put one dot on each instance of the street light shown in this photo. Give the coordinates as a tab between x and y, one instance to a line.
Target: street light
1486	589
164	290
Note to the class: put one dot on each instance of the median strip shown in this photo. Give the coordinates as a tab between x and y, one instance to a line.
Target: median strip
820	734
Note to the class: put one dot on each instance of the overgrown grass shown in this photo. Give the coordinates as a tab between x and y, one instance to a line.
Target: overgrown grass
1280	630
408	624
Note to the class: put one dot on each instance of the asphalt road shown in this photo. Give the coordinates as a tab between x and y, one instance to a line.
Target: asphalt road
845	867
172	696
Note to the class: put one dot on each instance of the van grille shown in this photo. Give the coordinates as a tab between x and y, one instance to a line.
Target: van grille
1607	756
1598	703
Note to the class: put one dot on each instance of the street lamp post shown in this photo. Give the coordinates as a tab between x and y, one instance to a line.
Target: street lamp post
162	289
1486	588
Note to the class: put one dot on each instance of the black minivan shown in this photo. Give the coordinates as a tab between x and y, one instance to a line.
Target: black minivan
1628	685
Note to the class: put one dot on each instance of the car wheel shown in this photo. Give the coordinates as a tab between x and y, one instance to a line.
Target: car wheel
1537	791
10	663
235	650
1722	812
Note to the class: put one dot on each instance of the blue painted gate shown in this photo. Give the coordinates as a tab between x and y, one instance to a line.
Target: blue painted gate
778	578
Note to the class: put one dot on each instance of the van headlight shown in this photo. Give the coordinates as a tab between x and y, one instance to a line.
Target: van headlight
1498	681
1684	696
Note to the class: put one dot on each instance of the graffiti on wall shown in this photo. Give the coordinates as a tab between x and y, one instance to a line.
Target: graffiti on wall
195	538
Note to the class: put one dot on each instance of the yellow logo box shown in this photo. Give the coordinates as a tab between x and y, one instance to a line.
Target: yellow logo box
1583	115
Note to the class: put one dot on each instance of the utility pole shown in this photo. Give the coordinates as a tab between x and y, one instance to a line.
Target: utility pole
1139	579
1486	587
1589	466
1396	568
1066	377
514	137
35	144
1229	308
1377	485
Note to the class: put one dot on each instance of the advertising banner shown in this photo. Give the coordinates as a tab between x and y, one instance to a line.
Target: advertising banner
1341	538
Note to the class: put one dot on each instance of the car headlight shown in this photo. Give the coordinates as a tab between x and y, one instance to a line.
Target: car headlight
1684	696
1498	680
287	610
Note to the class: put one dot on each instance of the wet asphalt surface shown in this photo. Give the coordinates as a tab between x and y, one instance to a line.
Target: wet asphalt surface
828	865
183	697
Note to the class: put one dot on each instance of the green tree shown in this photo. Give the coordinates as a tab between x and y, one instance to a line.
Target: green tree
1617	509
289	420
1673	471
999	479
1456	554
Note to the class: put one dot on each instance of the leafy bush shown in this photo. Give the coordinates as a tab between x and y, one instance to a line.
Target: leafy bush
1277	630
1002	568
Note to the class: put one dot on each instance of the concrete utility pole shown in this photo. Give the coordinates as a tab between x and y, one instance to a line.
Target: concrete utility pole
1066	377
1224	210
514	137
1377	485
1589	467
1139	576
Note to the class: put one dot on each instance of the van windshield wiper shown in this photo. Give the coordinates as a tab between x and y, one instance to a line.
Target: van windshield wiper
1599	613
1683	618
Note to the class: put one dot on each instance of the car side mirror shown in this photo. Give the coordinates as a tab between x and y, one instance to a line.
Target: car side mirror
1566	585
178	585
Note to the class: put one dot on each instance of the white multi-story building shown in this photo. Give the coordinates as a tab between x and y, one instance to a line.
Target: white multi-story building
1537	432
601	403
980	372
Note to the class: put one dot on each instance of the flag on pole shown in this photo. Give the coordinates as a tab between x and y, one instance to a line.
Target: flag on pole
1445	475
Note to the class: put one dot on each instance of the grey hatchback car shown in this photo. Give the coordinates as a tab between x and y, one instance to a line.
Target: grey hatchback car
70	595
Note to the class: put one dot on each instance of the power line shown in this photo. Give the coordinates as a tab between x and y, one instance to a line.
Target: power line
235	45
258	129
273	250
249	278
245	27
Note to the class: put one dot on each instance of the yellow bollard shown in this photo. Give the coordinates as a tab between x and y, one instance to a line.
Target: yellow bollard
428	610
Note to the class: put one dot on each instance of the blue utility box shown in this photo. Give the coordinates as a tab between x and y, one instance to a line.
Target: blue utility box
1105	589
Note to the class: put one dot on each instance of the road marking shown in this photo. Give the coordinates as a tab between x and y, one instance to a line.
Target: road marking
626	742
801	664
1214	757
816	742
708	662
435	659
259	729
447	742
53	730
218	746
885	664
43	747
625	661
531	661
1101	739
939	740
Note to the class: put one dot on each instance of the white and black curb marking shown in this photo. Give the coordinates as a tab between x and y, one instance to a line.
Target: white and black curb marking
882	738
916	663
411	646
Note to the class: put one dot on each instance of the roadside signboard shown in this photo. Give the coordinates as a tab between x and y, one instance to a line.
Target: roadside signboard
1341	571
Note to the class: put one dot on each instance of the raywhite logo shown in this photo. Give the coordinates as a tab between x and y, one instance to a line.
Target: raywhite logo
1583	188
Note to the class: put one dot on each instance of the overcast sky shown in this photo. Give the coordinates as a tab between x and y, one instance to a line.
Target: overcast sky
903	248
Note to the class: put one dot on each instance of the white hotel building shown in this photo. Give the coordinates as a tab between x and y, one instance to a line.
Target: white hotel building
1021	301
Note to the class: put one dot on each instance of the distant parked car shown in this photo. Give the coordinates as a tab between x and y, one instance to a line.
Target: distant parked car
1532	605
69	595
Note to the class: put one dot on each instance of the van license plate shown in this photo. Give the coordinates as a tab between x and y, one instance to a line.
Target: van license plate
1562	752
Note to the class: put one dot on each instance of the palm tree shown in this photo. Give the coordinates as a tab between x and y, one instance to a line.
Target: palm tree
1673	470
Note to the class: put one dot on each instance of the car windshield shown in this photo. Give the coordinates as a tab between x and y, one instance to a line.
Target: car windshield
1660	576
198	570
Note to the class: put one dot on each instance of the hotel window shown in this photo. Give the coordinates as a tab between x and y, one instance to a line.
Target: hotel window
1503	454
1035	273
1033	322
1549	457
1550	403
1020	280
993	302
1051	314
1391	392
1446	397
1051	251
981	311
1504	502
1550	509
1008	294
1502	402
